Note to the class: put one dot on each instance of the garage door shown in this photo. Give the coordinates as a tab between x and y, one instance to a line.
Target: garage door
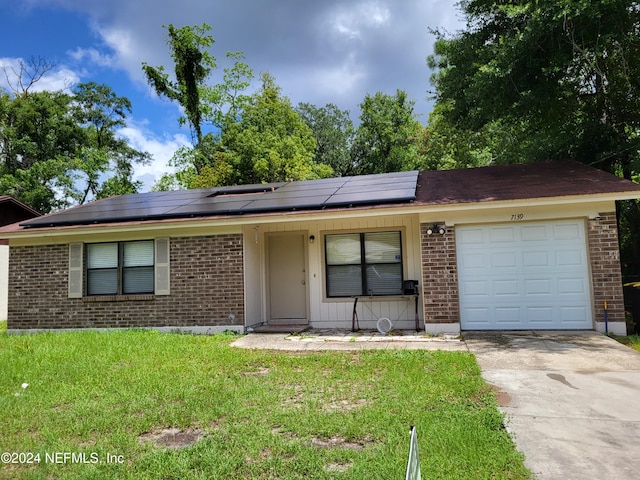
524	276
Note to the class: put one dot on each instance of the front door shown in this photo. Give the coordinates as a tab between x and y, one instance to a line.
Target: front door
287	278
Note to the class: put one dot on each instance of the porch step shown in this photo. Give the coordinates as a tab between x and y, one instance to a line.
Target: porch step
281	328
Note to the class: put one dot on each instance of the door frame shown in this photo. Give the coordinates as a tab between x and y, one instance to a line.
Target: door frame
269	237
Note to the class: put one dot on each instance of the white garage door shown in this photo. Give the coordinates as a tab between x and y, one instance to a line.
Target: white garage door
524	276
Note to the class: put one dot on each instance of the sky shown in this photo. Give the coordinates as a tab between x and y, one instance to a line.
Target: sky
330	51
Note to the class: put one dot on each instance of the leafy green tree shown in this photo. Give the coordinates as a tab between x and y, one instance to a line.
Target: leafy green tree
100	112
39	142
563	75
387	139
203	103
193	65
58	149
270	142
334	133
547	79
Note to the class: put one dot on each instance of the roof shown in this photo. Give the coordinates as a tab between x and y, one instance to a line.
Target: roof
11	211
342	192
428	188
518	182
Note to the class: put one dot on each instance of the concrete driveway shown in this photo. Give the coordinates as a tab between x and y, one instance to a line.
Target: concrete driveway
572	400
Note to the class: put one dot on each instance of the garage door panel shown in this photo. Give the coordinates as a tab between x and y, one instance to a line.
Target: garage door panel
572	286
535	316
471	236
474	260
567	231
507	315
506	288
478	316
534	233
538	286
524	276
502	235
476	288
569	258
574	314
535	259
504	260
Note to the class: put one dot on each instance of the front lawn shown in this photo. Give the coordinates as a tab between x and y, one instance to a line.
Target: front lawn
145	405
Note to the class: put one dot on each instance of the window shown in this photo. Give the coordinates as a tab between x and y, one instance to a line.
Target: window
120	268
363	264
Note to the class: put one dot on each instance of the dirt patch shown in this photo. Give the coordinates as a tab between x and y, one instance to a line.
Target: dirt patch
339	442
259	371
333	442
173	438
338	467
345	405
502	397
296	398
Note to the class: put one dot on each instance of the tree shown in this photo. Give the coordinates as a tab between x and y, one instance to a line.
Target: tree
443	147
269	143
545	80
28	74
193	64
39	140
387	138
100	112
58	149
562	74
334	133
202	103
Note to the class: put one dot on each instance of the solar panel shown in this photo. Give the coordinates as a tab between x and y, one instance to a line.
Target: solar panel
234	200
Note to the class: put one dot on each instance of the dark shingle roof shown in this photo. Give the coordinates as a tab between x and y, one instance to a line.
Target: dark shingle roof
516	182
446	187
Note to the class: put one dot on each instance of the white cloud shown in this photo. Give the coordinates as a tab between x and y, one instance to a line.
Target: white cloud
92	55
161	149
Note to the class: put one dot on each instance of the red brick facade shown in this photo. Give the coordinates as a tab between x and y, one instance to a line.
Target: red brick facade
606	276
207	284
207	289
439	276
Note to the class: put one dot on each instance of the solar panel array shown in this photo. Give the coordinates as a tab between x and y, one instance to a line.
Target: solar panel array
238	200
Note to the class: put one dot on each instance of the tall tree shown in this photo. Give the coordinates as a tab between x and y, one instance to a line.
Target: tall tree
59	149
202	103
548	79
387	138
562	75
270	142
193	64
334	133
39	142
101	112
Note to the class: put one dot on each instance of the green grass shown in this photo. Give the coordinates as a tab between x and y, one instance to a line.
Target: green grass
265	415
632	341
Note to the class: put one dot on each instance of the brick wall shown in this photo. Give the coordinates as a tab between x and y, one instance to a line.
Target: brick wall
439	276
606	277
207	286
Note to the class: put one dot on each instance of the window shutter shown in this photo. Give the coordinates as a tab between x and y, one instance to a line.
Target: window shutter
75	270
162	267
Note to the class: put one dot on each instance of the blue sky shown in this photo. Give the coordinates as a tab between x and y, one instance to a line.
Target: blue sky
319	52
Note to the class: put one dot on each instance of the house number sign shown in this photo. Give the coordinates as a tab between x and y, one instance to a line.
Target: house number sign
517	217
